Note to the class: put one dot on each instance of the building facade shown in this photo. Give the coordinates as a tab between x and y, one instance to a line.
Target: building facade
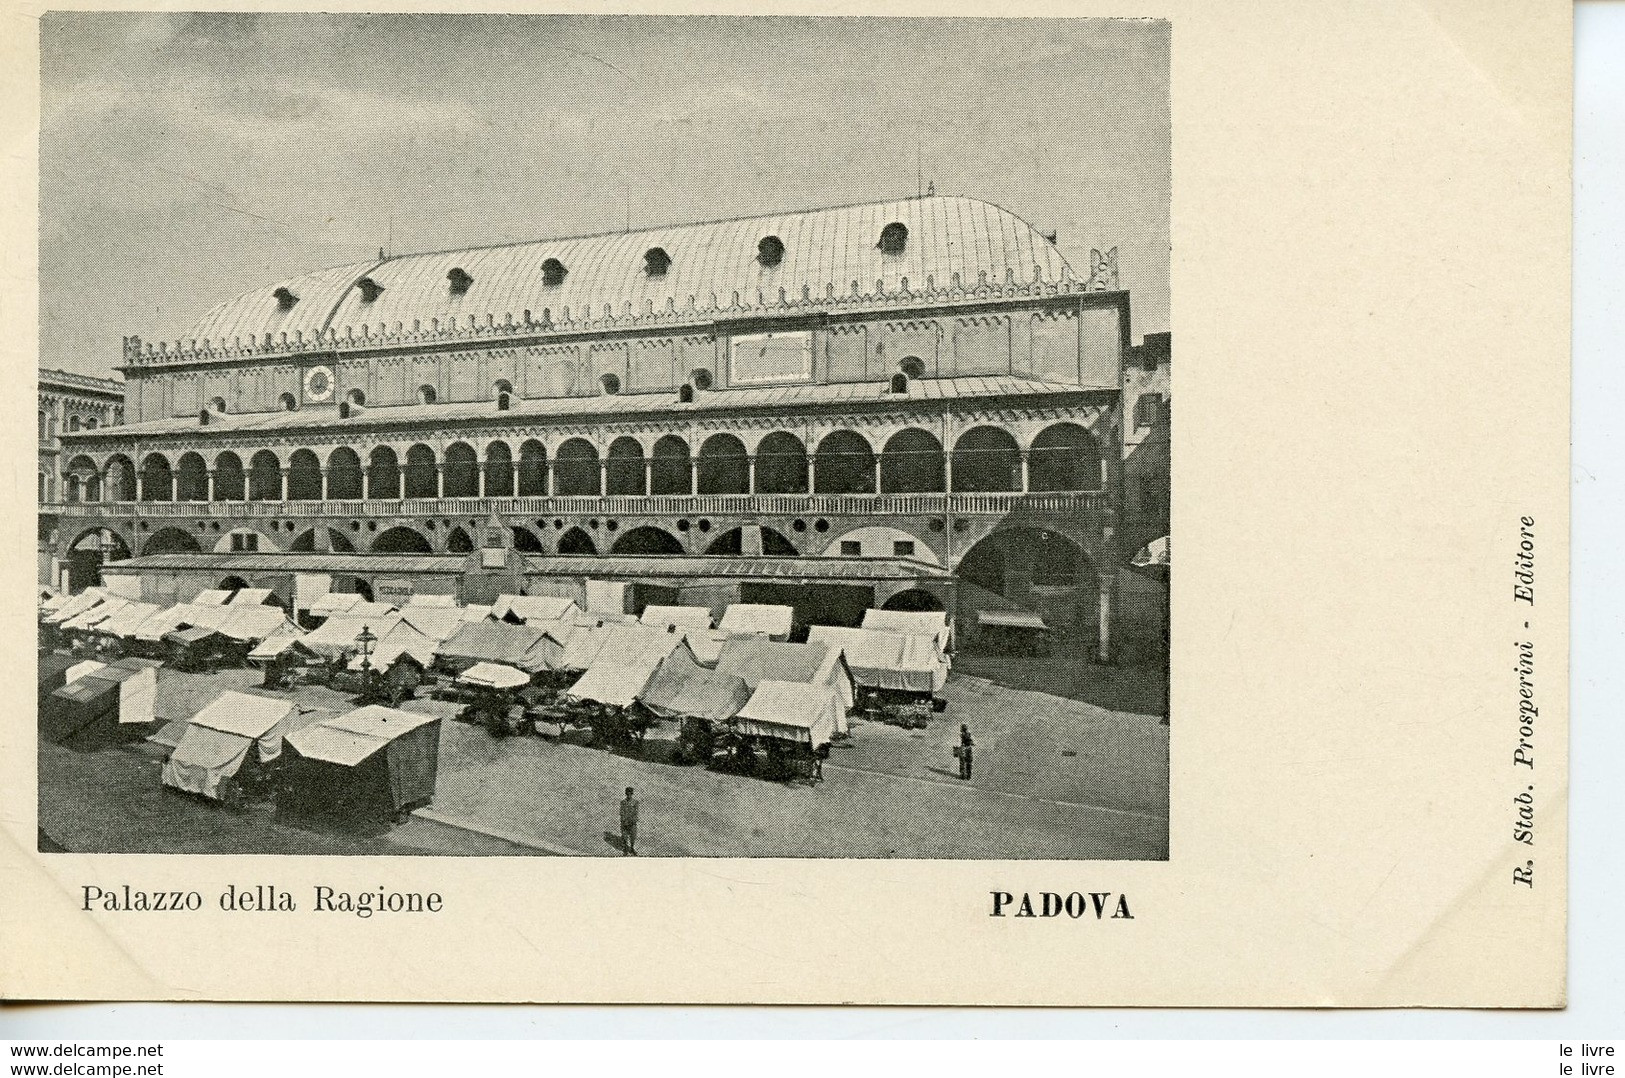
68	403
922	389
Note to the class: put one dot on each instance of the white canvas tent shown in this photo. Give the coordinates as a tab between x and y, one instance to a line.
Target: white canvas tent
341	632
403	639
438	601
627	661
933	623
250	596
493	676
218	739
76	605
531	608
884	660
334	602
791	711
677	618
126	621
212	597
97	614
762	619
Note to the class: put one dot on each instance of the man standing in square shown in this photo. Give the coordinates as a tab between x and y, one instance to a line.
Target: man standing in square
964	753
629	824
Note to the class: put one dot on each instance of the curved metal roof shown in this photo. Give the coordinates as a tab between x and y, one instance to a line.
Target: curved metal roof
823	249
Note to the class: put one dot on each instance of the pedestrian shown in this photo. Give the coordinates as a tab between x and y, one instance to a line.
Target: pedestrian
964	752
629	825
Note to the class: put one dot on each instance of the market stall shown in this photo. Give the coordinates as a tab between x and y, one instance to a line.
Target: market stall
236	731
677	618
761	619
888	661
936	624
784	730
102	701
756	660
373	761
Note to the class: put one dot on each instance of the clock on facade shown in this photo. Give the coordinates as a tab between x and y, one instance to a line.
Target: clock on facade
318	384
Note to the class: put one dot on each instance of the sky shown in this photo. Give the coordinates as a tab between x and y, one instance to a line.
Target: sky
187	158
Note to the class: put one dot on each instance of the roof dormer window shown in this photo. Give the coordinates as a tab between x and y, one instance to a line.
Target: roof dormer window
553	272
893	238
460	280
656	261
370	289
770	251
285	299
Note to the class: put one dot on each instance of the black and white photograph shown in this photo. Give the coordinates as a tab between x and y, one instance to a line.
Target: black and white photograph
639	436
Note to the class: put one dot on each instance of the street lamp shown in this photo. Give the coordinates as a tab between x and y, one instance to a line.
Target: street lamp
367	639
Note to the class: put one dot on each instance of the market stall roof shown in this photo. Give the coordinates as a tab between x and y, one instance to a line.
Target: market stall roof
432	600
523	646
1011	619
190	635
212	597
494	676
767	619
628	659
134	681
97	614
529	608
707	644
792	711
244	714
250	596
756	659
933	623
403	639
77	605
885	660
594	619
340	632
272	646
682	688
352	737
254	623
476	612
126	621
153	629
677	617
582	649
435	622
334	602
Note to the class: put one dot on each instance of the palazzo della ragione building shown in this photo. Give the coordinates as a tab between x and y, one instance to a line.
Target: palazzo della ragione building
916	404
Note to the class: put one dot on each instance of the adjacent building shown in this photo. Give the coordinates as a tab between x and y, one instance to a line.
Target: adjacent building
67	403
917	404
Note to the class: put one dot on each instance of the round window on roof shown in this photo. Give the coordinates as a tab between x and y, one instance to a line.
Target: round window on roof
656	261
893	238
553	272
770	251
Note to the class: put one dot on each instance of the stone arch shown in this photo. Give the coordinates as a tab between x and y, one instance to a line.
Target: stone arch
170	541
911	463
401	540
647	540
914	600
575	469
671	466
781	464
724	468
245	539
577	541
1064	456
304	477
422	478
120	478
526	542
264	477
337	542
191	478
498	470
230	484
383	474
987	459
344	475
157	479
623	468
774	543
460	477
458	542
532	468
84	479
1035	569
844	464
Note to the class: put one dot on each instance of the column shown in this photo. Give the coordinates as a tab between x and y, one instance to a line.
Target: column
282	483
812	472
479	470
603	475
649	474
878	458
439	479
172	485
948	471
1105	472
1024	471
1107	583
366	482
140	485
750	473
693	475
208	477
547	477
